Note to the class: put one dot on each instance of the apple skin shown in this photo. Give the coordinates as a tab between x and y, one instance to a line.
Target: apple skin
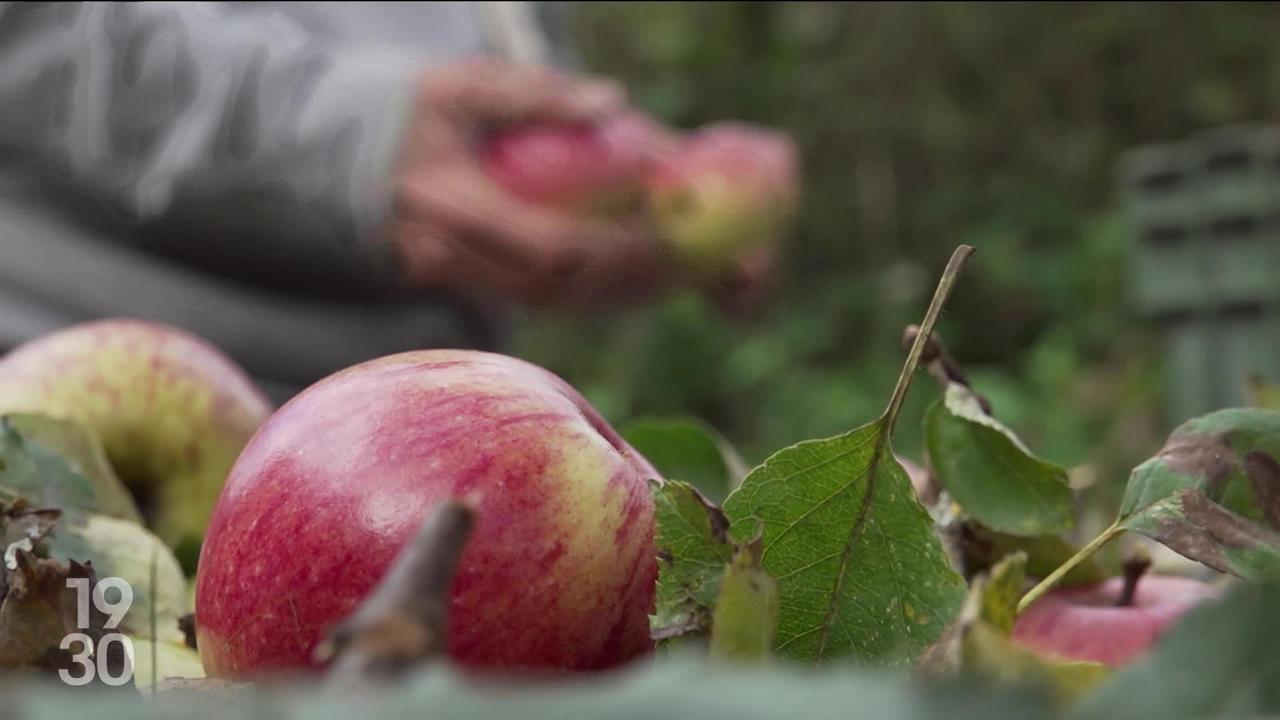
561	566
728	189
1085	624
172	411
584	168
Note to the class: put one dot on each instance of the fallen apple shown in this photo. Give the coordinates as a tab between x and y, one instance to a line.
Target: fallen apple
1106	623
171	410
560	568
726	190
583	168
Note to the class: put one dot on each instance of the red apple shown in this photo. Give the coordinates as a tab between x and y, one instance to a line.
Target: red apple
561	565
1087	624
726	190
585	168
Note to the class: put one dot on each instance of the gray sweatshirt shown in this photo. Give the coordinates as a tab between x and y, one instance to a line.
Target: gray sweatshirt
226	168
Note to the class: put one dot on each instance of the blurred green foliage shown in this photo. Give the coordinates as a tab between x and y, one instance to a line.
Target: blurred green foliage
923	126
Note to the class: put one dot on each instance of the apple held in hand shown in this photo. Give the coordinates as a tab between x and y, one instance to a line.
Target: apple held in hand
560	568
583	168
1095	623
726	190
171	410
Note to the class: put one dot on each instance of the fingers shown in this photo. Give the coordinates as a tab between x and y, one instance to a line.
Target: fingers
432	258
522	235
578	263
491	91
471	233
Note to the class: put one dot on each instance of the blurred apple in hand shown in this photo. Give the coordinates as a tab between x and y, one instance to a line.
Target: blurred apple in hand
719	194
584	168
727	190
1093	623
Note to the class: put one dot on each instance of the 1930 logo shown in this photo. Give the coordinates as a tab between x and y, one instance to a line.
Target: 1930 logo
94	659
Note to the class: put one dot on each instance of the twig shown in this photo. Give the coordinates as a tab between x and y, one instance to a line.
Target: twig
940	365
404	620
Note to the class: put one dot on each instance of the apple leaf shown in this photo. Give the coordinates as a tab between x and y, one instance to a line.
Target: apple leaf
58	463
1209	454
746	613
998	596
1220	660
860	571
1198	528
978	645
693	551
989	471
690	451
1213	492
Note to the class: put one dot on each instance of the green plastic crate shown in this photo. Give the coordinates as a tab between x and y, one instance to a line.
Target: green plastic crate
1205	263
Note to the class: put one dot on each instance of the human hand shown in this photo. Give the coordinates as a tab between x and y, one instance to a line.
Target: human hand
456	228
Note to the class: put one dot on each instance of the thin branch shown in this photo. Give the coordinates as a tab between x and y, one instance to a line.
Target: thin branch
940	365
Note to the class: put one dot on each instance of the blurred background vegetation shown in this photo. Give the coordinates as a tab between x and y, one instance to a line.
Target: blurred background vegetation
923	126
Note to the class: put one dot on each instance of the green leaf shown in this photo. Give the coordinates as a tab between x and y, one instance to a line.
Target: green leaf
687	450
990	473
693	551
1208	454
1203	530
746	614
998	604
57	463
1205	495
1220	660
1209	491
860	571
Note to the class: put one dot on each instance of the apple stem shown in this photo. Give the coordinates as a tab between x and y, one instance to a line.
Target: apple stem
403	621
1135	566
1056	576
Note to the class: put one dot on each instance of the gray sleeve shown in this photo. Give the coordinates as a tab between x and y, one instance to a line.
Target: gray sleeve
230	139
